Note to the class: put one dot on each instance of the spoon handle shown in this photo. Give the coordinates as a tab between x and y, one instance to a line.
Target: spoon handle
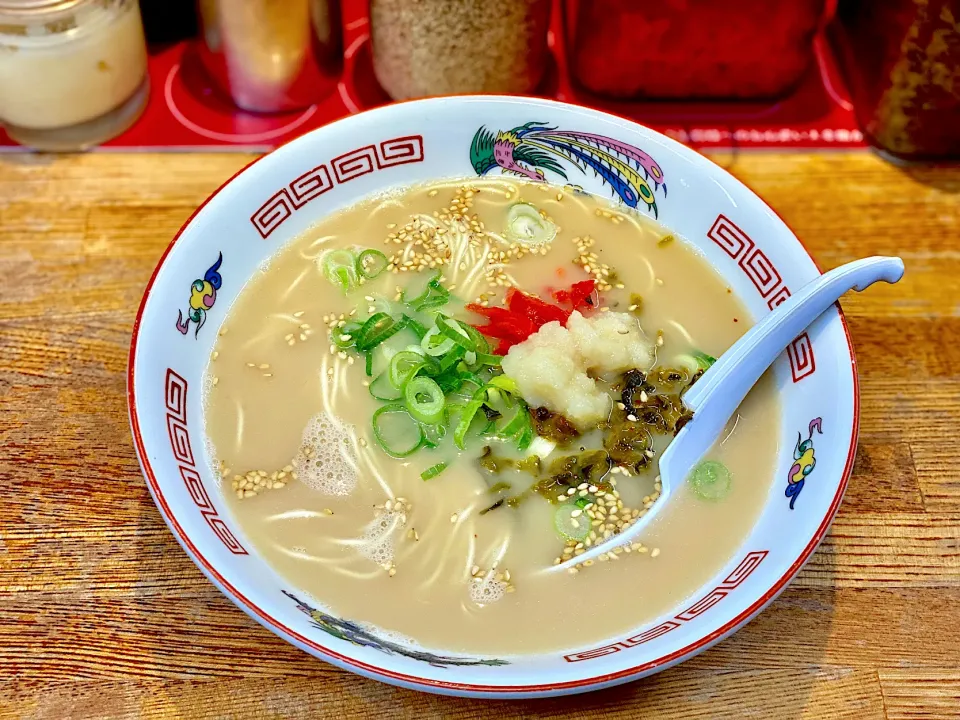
724	385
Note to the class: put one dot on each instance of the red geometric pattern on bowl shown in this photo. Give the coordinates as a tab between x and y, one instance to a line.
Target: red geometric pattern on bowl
802	362
767	280
176	402
356	163
749	563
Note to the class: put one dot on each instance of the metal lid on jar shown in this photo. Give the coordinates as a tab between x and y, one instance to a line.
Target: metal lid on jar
34	18
36	7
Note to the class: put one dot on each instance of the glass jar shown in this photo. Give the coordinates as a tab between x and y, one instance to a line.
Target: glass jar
270	56
901	61
691	49
448	47
73	73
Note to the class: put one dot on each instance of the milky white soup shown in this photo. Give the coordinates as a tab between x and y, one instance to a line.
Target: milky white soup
456	561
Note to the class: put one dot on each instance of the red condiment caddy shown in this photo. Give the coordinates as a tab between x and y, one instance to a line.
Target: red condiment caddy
187	113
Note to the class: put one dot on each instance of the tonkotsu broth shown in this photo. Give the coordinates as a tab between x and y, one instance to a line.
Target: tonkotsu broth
274	371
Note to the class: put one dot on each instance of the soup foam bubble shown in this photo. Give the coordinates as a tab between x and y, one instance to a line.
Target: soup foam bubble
327	459
379	538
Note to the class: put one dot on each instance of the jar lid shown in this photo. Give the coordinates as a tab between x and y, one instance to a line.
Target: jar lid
37	7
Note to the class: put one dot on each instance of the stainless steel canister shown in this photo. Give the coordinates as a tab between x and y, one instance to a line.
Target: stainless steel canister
272	55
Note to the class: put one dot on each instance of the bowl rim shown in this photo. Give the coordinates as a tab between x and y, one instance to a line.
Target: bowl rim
435	685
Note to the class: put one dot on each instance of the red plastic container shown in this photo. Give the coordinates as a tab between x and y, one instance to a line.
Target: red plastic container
691	49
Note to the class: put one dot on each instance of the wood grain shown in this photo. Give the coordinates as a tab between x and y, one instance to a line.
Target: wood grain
103	616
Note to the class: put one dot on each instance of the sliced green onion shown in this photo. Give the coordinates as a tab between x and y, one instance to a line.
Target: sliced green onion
383	389
488	360
569	527
466	418
433	434
433	295
453	330
418	329
696	361
505	383
526	437
526	226
368	363
703	360
370	263
345	337
376	329
432	472
519	428
435	344
449	382
480	343
425	400
469	377
711	480
401	441
516	424
339	267
451	359
403	366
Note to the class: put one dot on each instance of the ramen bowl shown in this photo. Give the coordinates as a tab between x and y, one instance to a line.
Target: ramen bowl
234	233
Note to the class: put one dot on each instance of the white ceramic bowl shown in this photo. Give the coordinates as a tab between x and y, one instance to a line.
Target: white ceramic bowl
256	212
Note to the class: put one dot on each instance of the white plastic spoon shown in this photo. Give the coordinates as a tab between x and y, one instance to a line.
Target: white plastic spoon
718	393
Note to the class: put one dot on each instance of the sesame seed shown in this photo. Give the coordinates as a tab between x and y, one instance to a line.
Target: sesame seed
454	518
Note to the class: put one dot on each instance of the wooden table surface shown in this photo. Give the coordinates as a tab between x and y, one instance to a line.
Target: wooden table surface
103	615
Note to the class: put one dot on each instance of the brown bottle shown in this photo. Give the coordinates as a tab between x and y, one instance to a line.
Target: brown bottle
901	60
